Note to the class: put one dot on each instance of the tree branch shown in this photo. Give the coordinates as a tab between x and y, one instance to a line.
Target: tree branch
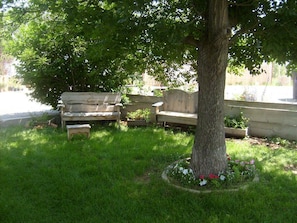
191	41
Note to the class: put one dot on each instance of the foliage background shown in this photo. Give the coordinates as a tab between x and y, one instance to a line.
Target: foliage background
102	45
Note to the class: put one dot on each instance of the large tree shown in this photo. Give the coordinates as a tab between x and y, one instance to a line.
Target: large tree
69	46
208	34
161	35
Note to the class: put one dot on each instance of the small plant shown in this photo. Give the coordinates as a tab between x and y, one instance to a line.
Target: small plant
237	122
158	93
140	114
125	99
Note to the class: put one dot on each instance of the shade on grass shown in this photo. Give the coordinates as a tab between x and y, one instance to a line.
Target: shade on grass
115	176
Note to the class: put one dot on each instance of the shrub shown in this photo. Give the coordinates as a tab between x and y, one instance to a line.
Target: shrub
239	121
140	114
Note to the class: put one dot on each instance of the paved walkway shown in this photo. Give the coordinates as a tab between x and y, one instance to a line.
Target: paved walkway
16	107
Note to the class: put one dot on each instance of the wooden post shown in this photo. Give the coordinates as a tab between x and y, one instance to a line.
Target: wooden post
294	76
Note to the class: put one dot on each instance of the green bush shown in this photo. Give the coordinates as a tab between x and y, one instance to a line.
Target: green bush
140	114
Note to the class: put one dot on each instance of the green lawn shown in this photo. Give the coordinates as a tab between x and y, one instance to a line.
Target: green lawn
115	176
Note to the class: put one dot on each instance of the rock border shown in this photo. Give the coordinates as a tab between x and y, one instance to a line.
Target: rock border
166	179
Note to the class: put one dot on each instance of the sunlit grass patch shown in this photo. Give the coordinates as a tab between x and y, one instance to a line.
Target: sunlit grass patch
115	176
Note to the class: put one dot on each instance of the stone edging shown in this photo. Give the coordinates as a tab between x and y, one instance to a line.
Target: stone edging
166	179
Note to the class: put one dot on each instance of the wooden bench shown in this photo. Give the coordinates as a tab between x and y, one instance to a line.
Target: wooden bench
178	107
78	129
90	106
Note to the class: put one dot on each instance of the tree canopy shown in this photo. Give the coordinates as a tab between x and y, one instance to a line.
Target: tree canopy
87	44
71	46
96	45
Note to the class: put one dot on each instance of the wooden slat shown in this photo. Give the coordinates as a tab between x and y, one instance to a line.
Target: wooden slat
90	97
176	117
180	101
90	118
89	108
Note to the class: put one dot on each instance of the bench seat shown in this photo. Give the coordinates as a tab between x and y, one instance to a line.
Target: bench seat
177	117
88	115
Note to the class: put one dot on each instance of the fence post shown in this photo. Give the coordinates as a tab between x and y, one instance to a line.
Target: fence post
294	76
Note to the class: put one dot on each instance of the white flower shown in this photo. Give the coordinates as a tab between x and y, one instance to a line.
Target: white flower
203	182
222	177
185	171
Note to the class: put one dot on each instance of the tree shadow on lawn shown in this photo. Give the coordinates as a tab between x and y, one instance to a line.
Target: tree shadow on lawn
41	171
46	178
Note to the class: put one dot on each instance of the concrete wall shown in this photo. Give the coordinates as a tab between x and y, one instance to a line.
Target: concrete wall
265	119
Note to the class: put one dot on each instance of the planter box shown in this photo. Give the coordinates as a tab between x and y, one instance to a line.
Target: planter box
132	123
238	133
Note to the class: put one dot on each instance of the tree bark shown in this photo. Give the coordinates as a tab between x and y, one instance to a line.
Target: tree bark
209	150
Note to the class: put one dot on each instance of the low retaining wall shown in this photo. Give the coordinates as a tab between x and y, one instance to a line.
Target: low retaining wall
265	119
24	118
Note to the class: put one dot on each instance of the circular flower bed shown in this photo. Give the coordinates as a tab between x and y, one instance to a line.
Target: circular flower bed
237	175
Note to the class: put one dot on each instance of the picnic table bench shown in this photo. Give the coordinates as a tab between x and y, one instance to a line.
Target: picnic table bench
90	106
178	107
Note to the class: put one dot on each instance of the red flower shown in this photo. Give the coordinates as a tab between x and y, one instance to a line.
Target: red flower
201	177
213	176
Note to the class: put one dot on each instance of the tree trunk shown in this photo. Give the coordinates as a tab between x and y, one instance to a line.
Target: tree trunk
209	150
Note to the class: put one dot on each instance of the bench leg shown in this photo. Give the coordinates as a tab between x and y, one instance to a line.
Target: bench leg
69	135
62	124
118	122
